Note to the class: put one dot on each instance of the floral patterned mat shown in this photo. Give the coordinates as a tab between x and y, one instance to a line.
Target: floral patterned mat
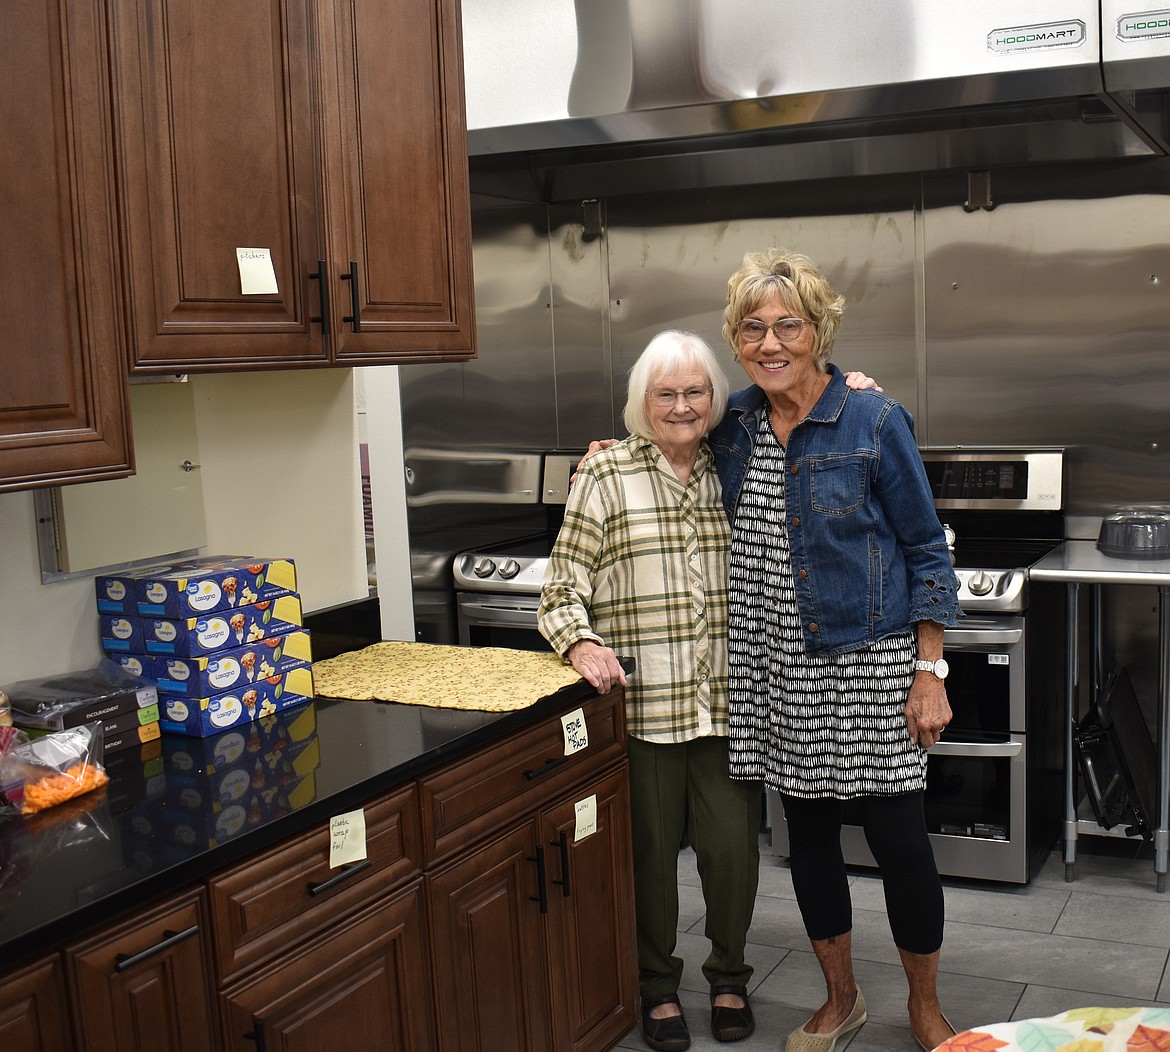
484	679
1078	1030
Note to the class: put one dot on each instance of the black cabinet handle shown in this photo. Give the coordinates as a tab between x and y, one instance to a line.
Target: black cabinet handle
355	299
122	962
541	895
545	767
322	277
257	1034
563	843
337	878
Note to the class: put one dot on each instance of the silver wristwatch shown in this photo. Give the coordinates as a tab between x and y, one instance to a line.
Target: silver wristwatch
940	667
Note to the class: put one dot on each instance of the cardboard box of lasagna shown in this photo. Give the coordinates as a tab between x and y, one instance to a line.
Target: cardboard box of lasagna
199	586
203	716
195	636
208	674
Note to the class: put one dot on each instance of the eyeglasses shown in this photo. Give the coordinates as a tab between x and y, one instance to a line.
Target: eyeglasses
666	399
751	330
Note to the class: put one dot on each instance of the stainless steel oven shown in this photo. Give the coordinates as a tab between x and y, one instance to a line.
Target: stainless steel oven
497	592
993	784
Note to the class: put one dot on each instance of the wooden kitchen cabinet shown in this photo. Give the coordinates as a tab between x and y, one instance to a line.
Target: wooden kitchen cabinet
146	983
64	398
34	1015
289	893
364	984
330	133
533	932
589	937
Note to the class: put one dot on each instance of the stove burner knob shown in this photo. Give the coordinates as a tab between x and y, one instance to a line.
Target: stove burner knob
509	568
980	583
483	567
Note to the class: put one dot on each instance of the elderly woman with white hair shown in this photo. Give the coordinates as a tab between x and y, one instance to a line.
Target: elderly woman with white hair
640	568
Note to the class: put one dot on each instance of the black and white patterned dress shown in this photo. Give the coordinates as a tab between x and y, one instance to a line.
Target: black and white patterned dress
811	725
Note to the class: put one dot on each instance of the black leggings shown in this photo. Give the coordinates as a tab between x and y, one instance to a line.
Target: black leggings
895	829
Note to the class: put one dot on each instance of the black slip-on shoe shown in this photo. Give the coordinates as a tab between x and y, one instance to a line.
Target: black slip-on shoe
665	1035
731	1024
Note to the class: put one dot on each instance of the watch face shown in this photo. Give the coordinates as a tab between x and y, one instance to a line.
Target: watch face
941	668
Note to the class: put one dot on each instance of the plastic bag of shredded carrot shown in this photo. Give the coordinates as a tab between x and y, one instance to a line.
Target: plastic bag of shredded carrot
49	769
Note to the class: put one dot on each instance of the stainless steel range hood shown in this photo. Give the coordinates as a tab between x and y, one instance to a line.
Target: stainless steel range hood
621	95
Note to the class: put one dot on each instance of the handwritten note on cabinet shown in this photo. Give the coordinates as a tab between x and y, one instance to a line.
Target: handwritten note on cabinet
347	838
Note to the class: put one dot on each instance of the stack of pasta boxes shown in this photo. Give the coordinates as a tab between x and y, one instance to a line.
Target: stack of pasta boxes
222	636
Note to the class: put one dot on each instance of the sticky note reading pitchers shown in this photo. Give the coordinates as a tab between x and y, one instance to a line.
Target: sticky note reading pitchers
347	838
586	811
576	732
257	278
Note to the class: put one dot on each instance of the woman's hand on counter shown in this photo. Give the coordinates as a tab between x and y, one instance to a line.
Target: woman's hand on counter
597	664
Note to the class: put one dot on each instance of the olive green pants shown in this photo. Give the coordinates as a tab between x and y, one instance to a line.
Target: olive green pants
686	787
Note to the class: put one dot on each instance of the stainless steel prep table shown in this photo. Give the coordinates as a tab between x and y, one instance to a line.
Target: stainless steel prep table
1077	563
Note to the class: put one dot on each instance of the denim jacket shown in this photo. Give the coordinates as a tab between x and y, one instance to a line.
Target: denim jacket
868	553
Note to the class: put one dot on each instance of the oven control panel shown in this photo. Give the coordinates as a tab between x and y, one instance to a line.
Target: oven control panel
993	591
504	573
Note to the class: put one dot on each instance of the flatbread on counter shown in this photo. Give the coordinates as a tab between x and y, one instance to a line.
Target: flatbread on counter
483	679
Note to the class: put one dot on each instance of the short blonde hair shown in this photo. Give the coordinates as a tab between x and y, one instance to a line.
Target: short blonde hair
798	283
666	353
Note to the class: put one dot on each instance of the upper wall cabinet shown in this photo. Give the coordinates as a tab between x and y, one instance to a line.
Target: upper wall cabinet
328	136
63	392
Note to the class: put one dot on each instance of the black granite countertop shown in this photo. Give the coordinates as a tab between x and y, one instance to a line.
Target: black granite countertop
179	813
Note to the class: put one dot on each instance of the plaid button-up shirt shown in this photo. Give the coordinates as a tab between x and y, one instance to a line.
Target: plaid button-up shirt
640	565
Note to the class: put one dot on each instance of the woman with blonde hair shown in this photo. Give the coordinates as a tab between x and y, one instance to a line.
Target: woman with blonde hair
840	587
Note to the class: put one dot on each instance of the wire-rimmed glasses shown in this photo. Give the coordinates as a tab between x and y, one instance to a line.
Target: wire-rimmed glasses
752	330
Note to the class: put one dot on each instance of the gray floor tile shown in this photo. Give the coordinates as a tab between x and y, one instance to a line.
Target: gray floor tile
1062	961
1116	918
1039	1002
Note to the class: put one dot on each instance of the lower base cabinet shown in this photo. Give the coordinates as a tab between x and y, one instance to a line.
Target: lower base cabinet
365	984
506	926
533	932
34	1016
146	984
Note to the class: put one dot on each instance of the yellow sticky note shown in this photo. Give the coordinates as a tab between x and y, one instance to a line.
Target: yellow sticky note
257	277
575	730
586	812
347	838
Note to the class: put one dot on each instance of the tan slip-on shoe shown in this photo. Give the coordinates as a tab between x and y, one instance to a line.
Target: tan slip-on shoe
802	1041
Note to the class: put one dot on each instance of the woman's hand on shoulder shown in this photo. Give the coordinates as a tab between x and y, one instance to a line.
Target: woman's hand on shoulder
598	664
858	381
596	446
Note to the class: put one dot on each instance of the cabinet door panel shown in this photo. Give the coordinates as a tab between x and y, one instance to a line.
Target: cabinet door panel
489	973
396	181
216	144
33	1015
64	397
591	934
365	984
264	903
145	984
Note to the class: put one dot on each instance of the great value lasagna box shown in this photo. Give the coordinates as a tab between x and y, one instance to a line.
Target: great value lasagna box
199	586
195	636
203	676
203	716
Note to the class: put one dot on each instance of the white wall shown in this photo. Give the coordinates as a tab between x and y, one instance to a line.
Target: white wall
281	478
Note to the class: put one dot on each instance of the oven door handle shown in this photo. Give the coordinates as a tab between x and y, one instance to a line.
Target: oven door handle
975	749
957	637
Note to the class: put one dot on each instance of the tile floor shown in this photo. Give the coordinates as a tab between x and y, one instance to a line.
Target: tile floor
1010	952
